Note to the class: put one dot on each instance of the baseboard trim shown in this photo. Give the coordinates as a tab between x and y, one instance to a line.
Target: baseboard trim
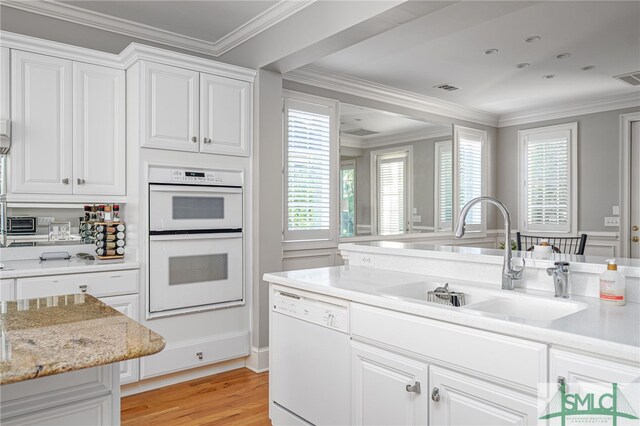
181	376
258	360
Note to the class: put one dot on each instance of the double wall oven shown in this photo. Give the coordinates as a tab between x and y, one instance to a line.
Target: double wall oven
195	240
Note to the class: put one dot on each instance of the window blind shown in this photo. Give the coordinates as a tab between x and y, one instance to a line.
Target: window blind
392	194
445	185
547	181
308	170
470	175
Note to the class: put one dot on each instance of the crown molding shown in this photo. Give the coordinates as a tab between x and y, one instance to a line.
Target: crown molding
77	15
67	51
587	106
393	139
379	92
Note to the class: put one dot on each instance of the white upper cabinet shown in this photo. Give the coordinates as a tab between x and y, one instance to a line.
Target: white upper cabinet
41	159
185	110
68	127
225	116
171	107
98	130
5	83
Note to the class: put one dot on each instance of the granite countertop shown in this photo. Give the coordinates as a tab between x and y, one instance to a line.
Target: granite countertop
36	267
606	330
58	334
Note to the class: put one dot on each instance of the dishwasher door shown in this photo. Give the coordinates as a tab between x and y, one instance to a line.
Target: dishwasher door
310	371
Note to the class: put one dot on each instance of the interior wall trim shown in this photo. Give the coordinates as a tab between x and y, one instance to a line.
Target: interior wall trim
241	34
587	106
404	137
379	92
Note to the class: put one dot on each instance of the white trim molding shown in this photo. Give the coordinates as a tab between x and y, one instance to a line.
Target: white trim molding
625	180
77	15
258	360
379	92
586	106
393	139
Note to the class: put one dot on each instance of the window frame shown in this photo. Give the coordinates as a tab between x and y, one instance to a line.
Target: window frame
373	161
523	226
314	104
438	148
478	230
351	163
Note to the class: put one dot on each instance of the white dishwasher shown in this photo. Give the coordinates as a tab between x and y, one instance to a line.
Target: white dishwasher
310	353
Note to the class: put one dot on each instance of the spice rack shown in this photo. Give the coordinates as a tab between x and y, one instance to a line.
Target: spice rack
110	239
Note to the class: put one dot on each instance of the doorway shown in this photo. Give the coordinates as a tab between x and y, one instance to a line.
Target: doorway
630	185
635	190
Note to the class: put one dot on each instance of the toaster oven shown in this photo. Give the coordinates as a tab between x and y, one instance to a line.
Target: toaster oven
21	225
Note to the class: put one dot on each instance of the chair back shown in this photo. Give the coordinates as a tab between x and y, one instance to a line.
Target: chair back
566	245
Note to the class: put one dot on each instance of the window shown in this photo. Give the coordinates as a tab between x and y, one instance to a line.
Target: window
471	171
390	183
444	186
310	153
547	175
347	198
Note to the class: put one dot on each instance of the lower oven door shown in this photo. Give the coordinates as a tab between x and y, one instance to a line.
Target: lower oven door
195	271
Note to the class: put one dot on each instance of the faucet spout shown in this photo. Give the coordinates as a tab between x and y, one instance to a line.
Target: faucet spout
509	274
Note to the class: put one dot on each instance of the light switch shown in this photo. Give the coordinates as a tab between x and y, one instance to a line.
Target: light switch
612	221
616	210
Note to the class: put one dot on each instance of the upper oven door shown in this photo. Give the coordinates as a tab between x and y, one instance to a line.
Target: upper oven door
182	207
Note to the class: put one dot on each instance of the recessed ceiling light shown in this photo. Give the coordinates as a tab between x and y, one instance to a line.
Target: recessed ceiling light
588	68
522	65
563	56
548	76
490	51
532	39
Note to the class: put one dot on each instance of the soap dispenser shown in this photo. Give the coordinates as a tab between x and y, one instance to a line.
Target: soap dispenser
612	285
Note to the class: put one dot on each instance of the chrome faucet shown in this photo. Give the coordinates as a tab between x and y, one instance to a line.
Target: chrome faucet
509	274
560	273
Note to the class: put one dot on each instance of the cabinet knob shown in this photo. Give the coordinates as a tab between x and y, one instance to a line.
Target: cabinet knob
435	395
194	139
65	181
562	382
83	288
635	228
81	181
635	239
207	140
414	388
199	355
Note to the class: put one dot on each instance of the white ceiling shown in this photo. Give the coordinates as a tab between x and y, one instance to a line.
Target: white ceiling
446	46
204	20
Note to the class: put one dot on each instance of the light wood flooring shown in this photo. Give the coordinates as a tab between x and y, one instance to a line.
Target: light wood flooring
234	398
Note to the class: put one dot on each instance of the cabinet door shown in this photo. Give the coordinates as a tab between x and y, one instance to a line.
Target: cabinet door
41	128
7	289
94	411
5	83
578	368
171	107
379	389
225	115
127	305
98	130
457	399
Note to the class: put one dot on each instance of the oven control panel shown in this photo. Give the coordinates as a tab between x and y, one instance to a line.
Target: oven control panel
311	310
185	176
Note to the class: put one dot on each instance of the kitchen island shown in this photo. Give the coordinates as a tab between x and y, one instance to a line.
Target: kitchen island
59	359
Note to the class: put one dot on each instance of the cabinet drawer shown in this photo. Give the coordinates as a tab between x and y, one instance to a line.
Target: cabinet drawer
578	368
95	411
98	284
485	353
194	354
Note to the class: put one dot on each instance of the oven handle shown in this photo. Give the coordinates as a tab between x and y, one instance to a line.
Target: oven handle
175	237
197	188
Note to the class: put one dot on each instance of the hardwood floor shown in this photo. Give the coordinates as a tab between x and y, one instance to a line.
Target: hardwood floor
238	397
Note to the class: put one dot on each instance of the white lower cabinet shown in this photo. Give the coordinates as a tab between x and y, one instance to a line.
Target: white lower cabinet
95	411
458	399
127	305
387	389
7	289
579	368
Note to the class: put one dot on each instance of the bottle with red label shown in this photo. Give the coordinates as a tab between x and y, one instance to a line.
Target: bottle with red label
612	285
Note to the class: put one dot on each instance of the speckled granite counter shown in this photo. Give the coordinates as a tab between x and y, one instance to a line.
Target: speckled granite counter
52	335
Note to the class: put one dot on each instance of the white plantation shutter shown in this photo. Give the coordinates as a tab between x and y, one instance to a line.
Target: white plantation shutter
309	150
546	180
470	175
444	182
392	192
